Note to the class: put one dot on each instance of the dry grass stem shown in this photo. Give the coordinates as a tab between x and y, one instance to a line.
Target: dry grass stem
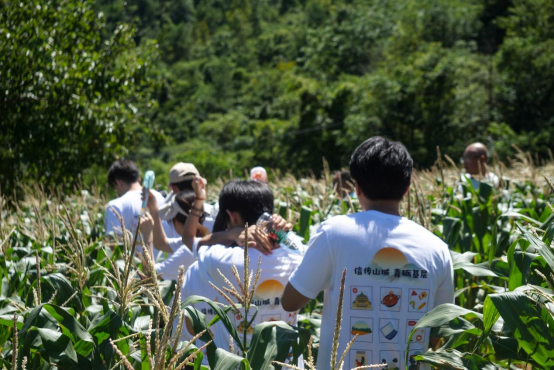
15	344
338	321
126	362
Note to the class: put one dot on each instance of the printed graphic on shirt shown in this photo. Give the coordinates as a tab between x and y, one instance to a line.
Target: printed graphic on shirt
392	360
363	327
268	294
412	363
418	336
388	330
291	319
360	298
391	264
418	300
273	317
390	299
360	357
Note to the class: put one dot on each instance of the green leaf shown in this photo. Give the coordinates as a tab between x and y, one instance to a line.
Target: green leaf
271	341
531	324
224	360
68	321
438	316
452	359
490	316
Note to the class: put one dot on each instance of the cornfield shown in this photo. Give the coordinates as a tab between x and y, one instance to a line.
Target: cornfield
69	300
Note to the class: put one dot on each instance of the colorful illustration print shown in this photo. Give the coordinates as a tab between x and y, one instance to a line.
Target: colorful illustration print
363	327
268	293
271	317
360	298
390	264
412	363
390	299
392	360
360	357
388	330
418	300
418	336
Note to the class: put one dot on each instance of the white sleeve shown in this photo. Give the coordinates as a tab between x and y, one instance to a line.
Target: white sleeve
170	267
445	291
175	244
316	269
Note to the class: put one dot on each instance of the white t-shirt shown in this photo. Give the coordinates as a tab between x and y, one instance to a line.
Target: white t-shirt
396	272
489	178
128	207
276	269
183	256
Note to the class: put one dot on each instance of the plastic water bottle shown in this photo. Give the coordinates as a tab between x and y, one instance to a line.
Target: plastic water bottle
286	239
147	184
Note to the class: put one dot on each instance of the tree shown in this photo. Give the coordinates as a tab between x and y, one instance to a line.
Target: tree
69	97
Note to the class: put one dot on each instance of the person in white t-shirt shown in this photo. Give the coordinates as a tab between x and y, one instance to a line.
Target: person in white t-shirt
124	177
396	270
242	202
475	160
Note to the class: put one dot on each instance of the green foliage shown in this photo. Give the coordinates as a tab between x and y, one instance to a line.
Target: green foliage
322	75
69	97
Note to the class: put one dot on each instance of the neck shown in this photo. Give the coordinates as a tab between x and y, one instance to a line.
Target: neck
135	186
391	207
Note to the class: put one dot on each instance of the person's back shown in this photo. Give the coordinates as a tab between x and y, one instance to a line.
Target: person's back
242	202
275	272
124	176
396	271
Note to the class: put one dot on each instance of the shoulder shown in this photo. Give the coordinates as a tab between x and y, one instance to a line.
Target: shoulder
114	204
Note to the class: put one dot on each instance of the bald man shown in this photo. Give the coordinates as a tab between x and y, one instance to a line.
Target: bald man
475	160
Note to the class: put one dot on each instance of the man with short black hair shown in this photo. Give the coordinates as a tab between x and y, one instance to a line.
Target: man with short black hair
124	177
396	270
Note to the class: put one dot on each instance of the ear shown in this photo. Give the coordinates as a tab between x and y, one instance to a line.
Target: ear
232	216
358	189
118	183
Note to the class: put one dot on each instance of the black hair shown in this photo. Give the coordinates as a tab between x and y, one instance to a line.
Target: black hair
185	199
183	185
343	176
249	198
382	168
124	170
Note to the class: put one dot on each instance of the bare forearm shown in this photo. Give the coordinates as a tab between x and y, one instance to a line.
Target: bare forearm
160	239
191	225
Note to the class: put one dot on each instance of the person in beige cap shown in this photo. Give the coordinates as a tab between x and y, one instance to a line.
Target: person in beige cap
181	176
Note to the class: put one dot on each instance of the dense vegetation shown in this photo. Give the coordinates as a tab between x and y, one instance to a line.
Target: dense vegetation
280	83
78	303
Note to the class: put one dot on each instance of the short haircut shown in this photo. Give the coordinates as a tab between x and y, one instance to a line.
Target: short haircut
183	185
124	170
249	198
382	168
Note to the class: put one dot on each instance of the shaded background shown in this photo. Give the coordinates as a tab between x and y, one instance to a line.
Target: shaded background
231	84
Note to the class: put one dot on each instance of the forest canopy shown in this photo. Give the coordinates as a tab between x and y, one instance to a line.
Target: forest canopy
230	84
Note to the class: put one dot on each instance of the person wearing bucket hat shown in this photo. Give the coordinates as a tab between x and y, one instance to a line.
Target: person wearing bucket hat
180	179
